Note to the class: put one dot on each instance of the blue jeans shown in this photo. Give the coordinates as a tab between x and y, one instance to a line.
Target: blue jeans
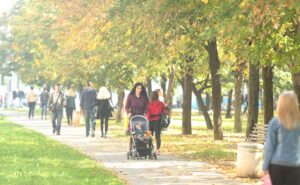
44	106
56	118
89	119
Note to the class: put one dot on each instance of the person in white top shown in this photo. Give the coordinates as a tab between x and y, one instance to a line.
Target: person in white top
31	100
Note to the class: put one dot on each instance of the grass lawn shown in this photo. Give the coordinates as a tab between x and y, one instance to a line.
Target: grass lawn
29	158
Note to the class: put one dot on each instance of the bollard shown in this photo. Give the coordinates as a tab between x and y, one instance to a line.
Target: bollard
249	159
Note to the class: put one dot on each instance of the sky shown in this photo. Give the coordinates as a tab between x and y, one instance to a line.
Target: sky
5	5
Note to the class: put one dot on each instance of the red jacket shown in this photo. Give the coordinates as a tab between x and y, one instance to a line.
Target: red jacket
155	109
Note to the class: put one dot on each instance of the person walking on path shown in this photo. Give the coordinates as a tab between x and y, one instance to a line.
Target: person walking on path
56	105
44	97
282	147
21	96
137	101
70	104
136	104
104	109
87	105
31	100
155	109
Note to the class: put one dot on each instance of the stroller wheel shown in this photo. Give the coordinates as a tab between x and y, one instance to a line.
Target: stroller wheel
154	156
128	155
151	156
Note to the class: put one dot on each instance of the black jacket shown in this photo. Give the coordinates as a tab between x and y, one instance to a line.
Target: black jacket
103	108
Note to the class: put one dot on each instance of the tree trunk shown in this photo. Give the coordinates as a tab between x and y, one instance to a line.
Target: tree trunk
149	86
229	103
187	104
238	102
207	101
202	108
121	96
296	84
253	96
214	65
170	91
164	85
268	93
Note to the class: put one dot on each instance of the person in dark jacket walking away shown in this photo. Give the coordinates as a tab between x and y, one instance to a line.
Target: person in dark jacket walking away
44	97
21	96
70	104
282	146
155	109
104	109
87	105
56	104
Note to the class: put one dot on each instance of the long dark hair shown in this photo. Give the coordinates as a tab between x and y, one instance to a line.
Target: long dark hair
143	93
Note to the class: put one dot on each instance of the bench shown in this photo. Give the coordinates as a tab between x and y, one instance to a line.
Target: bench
258	135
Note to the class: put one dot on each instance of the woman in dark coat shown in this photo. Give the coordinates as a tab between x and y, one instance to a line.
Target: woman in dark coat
104	108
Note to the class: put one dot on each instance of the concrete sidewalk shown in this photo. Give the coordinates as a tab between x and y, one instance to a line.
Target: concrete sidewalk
111	152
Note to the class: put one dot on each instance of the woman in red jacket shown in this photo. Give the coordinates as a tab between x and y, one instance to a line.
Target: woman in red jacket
155	109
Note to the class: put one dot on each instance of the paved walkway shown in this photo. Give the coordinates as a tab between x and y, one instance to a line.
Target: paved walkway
111	152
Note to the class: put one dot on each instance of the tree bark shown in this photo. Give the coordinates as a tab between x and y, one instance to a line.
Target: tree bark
229	103
238	101
121	96
214	65
202	108
268	93
170	91
164	85
253	97
296	84
207	101
187	104
149	86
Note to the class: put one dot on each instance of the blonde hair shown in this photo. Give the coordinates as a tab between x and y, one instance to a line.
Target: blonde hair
71	92
103	93
288	112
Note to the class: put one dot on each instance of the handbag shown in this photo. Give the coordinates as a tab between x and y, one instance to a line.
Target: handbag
266	180
164	121
52	106
110	105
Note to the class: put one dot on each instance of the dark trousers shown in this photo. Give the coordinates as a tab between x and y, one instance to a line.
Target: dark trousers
89	118
103	121
31	109
69	112
56	118
284	175
156	127
44	106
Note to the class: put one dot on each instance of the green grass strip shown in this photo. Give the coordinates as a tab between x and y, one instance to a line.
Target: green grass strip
30	158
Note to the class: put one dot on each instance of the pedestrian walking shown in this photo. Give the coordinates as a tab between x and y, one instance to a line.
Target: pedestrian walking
156	109
56	105
44	97
70	104
87	105
104	109
282	147
31	101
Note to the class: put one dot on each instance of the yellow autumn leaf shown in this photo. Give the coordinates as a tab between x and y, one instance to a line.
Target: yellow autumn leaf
205	1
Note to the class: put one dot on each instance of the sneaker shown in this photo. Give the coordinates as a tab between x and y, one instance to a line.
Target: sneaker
158	152
53	131
58	133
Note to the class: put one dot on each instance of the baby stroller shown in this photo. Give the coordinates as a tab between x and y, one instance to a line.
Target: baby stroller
140	139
